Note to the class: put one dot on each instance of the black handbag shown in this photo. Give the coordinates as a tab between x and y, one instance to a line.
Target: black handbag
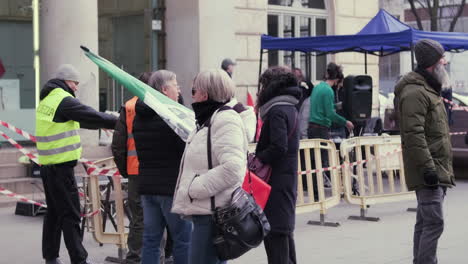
239	226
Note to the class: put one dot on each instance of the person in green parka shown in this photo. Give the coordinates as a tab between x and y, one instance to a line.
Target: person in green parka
425	140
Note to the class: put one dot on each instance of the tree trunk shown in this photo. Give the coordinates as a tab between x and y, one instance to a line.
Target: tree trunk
457	15
434	11
415	13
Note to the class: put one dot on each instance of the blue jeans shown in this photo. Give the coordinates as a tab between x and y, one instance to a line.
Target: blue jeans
202	250
156	215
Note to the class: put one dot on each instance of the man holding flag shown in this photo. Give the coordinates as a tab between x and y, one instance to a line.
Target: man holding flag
59	116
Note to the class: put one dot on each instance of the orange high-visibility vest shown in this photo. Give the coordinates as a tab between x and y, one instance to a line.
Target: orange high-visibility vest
132	158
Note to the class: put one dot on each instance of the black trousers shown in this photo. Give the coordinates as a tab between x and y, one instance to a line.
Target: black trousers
280	248
135	235
317	131
63	213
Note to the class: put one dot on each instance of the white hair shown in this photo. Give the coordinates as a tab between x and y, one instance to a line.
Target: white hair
216	84
441	74
159	78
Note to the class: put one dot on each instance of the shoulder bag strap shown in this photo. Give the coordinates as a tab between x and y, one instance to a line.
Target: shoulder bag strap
210	163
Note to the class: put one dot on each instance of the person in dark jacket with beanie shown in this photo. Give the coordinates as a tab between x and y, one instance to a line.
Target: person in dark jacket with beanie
159	151
58	118
278	147
425	141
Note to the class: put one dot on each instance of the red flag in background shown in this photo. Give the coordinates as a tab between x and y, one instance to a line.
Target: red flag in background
250	102
2	69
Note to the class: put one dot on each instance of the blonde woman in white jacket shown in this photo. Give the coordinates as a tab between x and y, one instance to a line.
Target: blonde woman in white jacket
212	90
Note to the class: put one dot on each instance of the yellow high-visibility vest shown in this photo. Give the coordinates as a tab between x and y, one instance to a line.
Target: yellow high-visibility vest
56	142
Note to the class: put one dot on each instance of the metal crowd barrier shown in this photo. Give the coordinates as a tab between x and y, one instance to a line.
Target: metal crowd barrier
379	175
310	173
326	193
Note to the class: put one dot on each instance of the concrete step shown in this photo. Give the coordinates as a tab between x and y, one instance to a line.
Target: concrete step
23	185
13	170
11	154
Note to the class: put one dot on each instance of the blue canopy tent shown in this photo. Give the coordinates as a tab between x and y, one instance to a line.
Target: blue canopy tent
383	35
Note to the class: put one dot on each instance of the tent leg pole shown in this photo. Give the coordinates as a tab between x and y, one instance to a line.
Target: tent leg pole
365	63
260	69
412	57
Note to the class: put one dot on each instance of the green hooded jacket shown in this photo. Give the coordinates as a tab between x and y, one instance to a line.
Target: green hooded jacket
424	129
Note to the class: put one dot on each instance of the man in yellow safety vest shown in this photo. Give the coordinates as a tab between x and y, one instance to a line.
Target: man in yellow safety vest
59	116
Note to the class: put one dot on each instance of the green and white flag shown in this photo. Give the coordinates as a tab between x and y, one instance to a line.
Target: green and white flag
180	118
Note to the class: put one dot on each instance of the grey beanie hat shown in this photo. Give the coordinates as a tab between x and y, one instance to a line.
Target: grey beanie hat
226	62
67	72
428	52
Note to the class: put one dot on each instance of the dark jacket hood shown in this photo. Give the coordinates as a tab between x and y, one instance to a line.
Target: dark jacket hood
52	84
294	91
143	109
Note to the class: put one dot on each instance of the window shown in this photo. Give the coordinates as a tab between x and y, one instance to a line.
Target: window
318	4
273	31
289	31
285	21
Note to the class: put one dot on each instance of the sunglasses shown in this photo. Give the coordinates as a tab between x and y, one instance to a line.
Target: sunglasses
194	91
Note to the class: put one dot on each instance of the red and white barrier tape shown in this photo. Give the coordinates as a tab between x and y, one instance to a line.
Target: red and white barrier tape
18	131
456	106
344	165
24	199
20	197
92	168
19	147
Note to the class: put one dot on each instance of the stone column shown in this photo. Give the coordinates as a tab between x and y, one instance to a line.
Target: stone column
200	34
251	23
64	26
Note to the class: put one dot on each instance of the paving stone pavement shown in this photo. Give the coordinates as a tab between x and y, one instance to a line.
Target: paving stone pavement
354	242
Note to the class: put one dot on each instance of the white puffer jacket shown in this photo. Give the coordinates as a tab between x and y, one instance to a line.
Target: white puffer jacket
248	117
196	184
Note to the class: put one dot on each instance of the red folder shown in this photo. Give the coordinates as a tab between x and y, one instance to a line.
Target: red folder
256	187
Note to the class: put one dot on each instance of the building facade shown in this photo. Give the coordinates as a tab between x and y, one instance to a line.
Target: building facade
179	35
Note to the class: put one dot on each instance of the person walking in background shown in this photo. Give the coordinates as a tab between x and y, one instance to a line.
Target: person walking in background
126	159
198	182
159	151
228	66
59	116
278	147
425	139
304	103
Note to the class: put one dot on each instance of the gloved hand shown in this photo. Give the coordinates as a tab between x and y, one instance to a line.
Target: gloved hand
430	178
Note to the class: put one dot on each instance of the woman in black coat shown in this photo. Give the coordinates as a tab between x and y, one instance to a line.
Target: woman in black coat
278	146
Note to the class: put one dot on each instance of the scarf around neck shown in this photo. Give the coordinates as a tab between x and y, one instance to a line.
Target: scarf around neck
204	110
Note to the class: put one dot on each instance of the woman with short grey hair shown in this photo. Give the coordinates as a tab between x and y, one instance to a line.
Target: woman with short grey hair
198	181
